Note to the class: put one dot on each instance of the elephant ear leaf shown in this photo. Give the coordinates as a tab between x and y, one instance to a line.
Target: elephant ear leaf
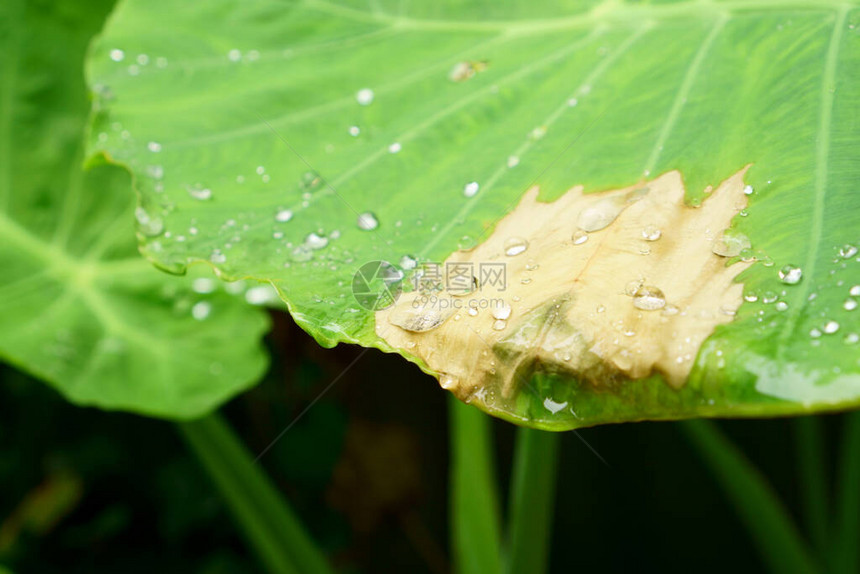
79	307
570	213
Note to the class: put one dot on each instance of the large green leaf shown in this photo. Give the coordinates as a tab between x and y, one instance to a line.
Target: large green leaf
229	113
78	306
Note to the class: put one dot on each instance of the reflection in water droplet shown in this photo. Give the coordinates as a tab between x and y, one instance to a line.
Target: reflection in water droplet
849	304
649	298
750	297
364	96
579	237
515	246
791	274
831	327
748	190
651	233
367	221
730	243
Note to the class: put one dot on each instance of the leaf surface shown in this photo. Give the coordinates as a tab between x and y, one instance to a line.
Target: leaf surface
296	141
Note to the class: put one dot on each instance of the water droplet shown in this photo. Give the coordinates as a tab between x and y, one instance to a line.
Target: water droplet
750	297
791	274
302	253
473	311
364	96
538	133
142	59
316	241
199	192
730	243
203	285
600	214
601	308
354	131
367	221
579	237
781	306
447	381
748	190
847	251
670	310
283	215
470	189
420	319
234	55
553	406
201	310
854	291
154	147
769	297
117	55
851	338
814	333
515	246
513	161
499	325
850	304
394	148
649	298
408	262
502	312
217	257
147	224
632	286
261	295
831	327
651	233
572	102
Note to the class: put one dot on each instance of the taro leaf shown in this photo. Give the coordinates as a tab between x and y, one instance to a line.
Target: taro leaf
79	307
261	133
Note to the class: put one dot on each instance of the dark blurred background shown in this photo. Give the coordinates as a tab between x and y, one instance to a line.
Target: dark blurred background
366	468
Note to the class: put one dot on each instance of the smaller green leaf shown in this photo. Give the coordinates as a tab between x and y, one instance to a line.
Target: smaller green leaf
268	523
764	515
79	307
475	523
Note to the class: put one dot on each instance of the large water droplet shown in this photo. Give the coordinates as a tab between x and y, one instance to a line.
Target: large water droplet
515	246
730	243
791	274
447	381
649	298
421	319
367	221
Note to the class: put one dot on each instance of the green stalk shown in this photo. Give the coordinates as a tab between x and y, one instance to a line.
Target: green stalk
271	529
532	501
846	556
767	520
476	537
810	449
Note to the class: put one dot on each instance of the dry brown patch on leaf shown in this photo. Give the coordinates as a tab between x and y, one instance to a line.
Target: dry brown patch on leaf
618	284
